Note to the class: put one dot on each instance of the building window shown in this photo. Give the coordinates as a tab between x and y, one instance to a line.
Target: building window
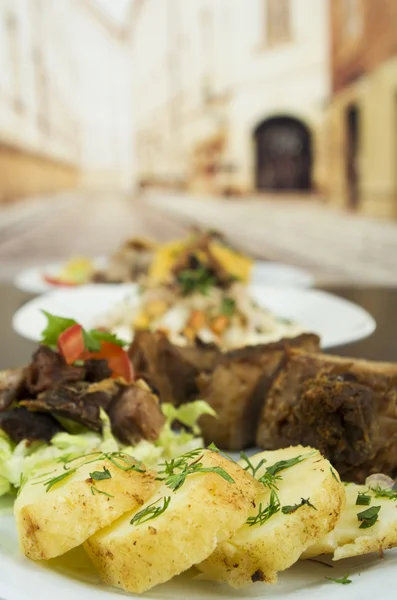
278	22
352	18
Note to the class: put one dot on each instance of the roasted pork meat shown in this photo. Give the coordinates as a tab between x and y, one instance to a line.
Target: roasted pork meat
21	424
32	398
12	382
346	408
237	386
47	369
170	370
135	414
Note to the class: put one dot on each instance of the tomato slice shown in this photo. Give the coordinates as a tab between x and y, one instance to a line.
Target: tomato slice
59	282
118	360
71	343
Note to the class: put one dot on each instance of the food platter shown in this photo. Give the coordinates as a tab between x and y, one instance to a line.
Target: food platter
21	579
32	280
272	273
335	320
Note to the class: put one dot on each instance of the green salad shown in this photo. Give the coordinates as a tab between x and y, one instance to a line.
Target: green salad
20	461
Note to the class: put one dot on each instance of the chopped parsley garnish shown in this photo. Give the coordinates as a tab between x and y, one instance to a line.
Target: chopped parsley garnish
385	493
100	475
151	511
368	517
177	470
264	513
343	580
196	280
228	306
363	499
288	510
92	338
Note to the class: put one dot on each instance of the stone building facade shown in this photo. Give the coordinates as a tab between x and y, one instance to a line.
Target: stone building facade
230	95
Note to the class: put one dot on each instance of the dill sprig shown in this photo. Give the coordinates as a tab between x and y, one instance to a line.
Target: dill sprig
384	493
288	510
177	470
264	513
151	511
343	580
249	466
95	490
49	483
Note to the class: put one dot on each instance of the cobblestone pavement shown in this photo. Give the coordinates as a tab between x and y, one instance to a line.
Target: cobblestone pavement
41	230
337	247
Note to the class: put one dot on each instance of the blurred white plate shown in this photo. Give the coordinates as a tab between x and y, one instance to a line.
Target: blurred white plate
272	273
334	319
20	579
32	280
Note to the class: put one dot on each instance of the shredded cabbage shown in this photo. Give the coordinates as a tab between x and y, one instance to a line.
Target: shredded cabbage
20	461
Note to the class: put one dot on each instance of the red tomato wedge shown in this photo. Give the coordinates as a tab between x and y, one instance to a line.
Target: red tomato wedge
59	282
118	360
71	343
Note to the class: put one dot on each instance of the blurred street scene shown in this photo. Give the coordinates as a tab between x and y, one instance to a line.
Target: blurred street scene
272	120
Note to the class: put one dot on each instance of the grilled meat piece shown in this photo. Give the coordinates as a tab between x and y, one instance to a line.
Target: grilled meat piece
20	424
48	368
80	402
236	389
12	382
96	370
135	414
170	370
346	408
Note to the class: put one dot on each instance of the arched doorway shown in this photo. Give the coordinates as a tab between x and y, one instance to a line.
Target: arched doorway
283	155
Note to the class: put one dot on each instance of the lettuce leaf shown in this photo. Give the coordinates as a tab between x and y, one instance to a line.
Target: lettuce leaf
20	461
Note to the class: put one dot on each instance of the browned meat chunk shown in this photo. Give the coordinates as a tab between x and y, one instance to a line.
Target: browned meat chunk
346	408
170	370
20	424
237	387
48	368
80	402
96	370
12	383
135	414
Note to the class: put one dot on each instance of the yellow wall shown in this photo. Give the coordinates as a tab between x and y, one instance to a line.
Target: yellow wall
23	174
376	97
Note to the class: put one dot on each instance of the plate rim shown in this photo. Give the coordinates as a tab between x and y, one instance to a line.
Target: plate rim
366	328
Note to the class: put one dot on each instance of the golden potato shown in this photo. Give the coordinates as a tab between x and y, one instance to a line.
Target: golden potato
297	505
350	537
60	508
178	526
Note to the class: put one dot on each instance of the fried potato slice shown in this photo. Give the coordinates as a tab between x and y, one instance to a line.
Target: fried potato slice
178	527
60	508
297	505
352	536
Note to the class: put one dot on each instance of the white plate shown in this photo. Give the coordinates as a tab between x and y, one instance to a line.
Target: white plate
334	319
20	579
32	280
272	273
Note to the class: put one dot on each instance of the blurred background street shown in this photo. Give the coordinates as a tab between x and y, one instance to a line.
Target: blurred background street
272	120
